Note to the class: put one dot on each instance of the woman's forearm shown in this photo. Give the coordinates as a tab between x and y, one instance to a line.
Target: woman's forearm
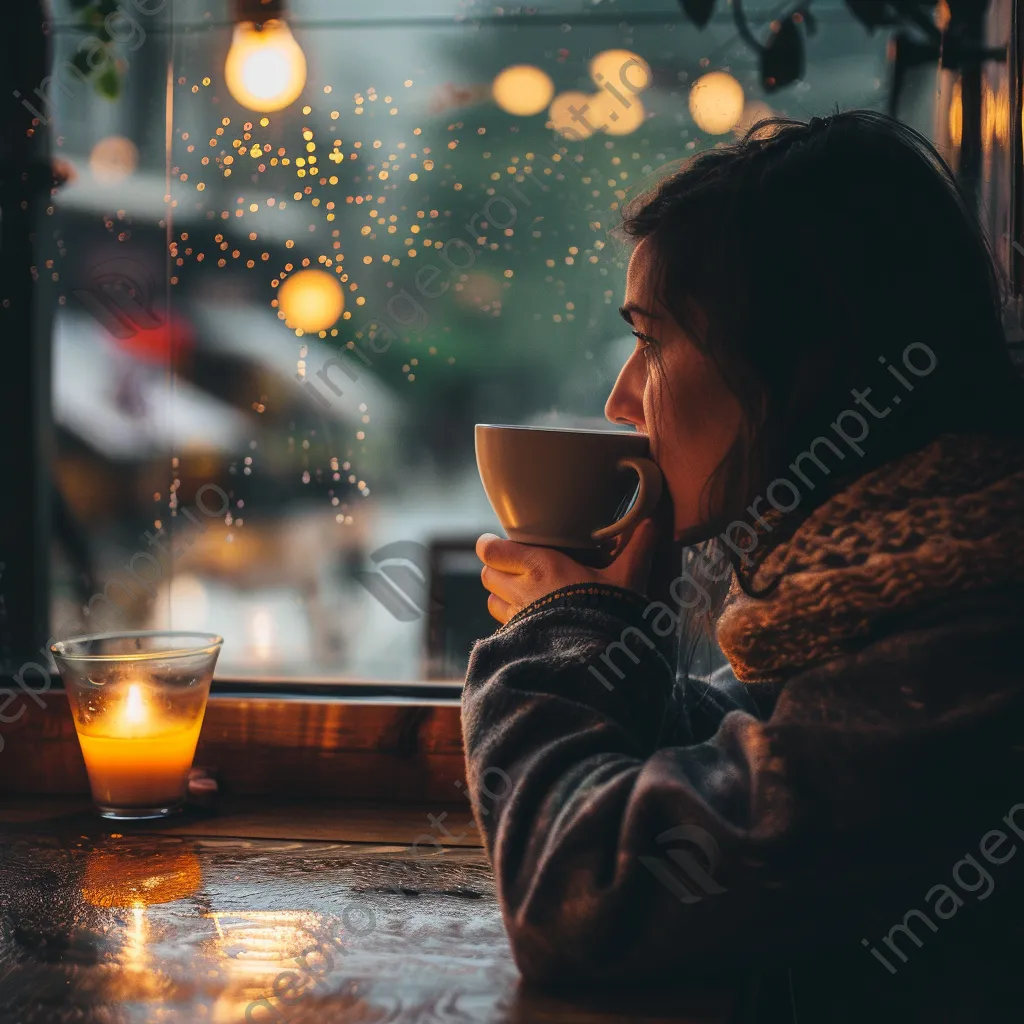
571	791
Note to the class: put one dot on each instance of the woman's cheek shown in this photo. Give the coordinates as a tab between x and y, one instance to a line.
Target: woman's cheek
685	494
653	415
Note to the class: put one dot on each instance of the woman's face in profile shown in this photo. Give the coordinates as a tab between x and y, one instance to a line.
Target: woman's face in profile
670	391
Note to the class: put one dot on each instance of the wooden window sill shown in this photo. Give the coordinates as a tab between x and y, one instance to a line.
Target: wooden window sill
400	749
412	828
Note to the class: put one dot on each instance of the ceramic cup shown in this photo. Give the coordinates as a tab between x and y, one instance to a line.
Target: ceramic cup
562	488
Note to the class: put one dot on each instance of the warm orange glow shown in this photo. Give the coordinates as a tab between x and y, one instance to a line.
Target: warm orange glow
615	108
522	90
615	117
139	764
479	289
116	877
1003	116
265	68
956	114
561	118
311	300
627	72
716	102
134	710
995	116
113	159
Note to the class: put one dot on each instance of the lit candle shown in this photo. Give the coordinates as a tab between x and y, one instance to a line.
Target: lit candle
138	701
139	758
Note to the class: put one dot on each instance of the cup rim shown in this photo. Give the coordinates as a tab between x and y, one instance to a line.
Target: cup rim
214	641
563	430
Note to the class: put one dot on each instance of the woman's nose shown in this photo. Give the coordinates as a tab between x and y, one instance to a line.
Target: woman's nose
626	402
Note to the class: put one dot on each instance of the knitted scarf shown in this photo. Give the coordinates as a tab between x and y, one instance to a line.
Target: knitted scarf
946	519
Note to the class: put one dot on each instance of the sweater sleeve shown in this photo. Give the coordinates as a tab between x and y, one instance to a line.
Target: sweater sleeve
614	856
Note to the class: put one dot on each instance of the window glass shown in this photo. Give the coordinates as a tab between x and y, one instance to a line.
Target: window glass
277	327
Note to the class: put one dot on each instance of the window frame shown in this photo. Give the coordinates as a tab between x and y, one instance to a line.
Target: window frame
26	180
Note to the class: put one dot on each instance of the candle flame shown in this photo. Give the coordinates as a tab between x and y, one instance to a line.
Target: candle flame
135	711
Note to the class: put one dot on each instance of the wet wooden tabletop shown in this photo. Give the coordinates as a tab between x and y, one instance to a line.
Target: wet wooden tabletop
299	914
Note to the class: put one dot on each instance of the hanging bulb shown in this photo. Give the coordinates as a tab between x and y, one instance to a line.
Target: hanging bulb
310	300
716	102
265	69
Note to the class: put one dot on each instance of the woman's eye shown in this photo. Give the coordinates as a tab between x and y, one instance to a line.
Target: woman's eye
644	339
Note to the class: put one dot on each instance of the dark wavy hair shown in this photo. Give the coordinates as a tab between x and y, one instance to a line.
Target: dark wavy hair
822	257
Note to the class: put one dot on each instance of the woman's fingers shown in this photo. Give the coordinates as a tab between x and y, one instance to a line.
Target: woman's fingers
501	584
519	574
506	555
499	609
516	574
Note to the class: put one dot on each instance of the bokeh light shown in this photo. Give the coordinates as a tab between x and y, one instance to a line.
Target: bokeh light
479	290
995	116
113	159
615	117
311	300
716	102
626	71
956	114
265	68
522	90
168	342
560	117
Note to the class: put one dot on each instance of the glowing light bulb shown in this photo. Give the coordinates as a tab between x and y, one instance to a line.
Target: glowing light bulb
134	709
311	300
265	69
522	90
716	102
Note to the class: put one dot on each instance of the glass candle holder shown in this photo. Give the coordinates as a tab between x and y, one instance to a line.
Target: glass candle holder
138	701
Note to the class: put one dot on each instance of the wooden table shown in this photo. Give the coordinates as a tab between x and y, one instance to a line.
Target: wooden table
306	913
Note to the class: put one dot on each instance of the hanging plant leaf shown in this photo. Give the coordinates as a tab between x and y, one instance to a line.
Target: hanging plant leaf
698	11
108	82
782	59
871	13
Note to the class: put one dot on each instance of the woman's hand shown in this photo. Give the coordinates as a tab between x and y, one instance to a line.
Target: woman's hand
519	574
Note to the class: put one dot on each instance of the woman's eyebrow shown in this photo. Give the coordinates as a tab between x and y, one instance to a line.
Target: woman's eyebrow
627	311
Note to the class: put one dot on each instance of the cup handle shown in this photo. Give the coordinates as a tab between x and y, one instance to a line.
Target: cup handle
646	500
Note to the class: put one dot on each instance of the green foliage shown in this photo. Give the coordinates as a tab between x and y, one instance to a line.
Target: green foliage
108	82
92	17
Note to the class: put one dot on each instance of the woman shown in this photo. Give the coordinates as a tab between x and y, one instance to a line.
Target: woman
821	368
